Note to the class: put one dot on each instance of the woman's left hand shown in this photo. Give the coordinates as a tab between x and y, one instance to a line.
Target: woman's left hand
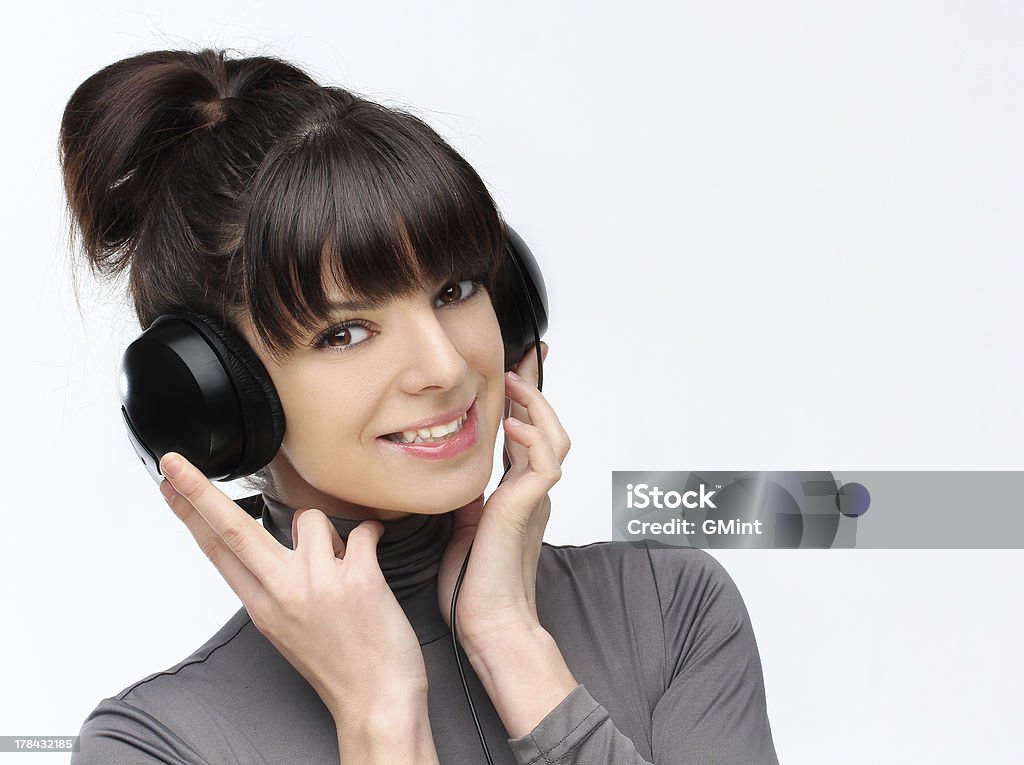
499	590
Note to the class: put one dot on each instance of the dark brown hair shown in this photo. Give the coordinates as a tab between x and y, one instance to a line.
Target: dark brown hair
231	186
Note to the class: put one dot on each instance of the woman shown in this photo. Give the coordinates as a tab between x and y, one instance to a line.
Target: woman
355	253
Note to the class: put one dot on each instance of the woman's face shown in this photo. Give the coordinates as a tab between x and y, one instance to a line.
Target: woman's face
412	361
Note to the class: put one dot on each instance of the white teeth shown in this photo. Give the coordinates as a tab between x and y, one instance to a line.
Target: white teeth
430	435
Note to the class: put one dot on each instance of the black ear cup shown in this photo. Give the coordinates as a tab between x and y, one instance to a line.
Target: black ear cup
191	385
262	412
522	309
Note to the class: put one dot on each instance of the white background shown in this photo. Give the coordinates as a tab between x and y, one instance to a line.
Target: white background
776	236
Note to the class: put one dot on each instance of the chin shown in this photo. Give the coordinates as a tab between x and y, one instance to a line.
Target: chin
447	501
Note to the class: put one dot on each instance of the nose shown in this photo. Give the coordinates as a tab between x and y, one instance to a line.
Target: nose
430	359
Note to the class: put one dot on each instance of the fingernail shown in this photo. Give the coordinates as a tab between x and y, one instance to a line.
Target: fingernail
514	422
513	375
170	466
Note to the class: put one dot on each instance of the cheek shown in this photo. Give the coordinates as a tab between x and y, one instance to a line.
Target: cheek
495	377
483	336
481	345
321	412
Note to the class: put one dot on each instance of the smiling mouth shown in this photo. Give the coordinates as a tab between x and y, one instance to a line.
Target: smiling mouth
436	434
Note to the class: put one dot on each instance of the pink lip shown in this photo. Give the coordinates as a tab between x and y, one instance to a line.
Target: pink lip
457	444
441	419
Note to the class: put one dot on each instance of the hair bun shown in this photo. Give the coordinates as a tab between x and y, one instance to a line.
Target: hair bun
122	131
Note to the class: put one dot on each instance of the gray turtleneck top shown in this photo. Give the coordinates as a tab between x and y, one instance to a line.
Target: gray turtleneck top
658	638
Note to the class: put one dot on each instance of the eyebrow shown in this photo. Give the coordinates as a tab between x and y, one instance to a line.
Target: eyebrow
358	305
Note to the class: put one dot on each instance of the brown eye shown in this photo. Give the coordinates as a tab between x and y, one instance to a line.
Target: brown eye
341	337
458	291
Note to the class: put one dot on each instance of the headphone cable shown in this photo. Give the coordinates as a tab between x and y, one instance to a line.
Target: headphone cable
458	582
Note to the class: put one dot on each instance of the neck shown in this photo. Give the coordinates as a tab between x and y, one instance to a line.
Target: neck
295	492
409	552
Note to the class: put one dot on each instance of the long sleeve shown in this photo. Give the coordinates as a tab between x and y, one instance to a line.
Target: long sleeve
713	709
116	733
576	732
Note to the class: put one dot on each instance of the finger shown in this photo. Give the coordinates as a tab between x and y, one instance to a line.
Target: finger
514	458
508	447
243	534
506	458
516	500
528	370
527	367
320	539
543	468
540	414
513	453
361	545
239	578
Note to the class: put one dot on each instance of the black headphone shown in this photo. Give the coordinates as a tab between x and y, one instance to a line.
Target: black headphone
191	385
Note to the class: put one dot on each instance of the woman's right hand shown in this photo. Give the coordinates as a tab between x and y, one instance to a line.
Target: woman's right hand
325	605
